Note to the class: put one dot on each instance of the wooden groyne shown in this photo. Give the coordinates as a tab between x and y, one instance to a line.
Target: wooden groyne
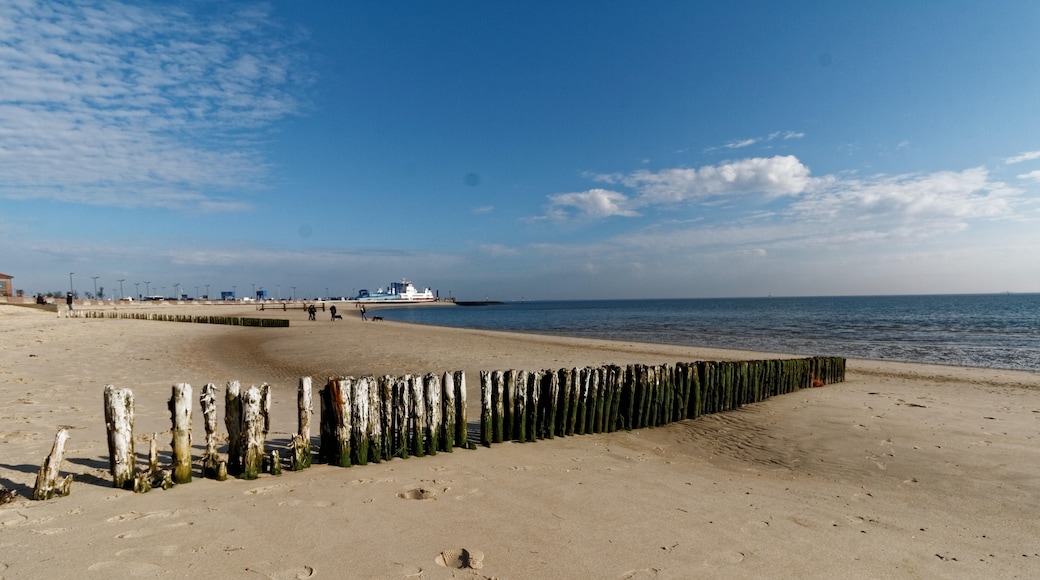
374	419
228	320
526	406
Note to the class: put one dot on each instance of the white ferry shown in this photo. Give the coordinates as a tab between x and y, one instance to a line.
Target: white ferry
403	291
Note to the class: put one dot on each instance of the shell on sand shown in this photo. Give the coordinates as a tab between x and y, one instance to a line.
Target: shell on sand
461	559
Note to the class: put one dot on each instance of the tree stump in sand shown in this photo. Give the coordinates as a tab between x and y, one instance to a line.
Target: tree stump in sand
119	422
47	483
180	414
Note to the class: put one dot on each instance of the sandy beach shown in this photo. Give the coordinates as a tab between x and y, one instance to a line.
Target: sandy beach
902	471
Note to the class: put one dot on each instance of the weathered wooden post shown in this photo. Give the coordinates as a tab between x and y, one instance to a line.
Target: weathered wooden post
387	416
432	427
486	427
508	390
301	443
533	386
47	484
552	401
403	416
461	414
180	415
575	397
375	420
448	411
119	422
208	403
499	409
253	425
418	401
359	420
520	415
335	424
233	424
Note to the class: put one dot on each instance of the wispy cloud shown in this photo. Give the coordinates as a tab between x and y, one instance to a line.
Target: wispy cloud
117	104
741	143
1027	156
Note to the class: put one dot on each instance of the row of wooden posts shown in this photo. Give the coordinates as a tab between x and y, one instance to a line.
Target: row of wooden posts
373	419
525	406
228	320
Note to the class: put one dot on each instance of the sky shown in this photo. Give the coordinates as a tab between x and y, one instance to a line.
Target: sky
520	149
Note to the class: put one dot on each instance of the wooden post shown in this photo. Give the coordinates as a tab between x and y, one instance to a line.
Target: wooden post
180	415
253	422
418	404
499	410
520	415
375	420
509	418
335	423
448	412
486	414
208	403
461	414
233	424
153	455
387	416
552	402
533	386
301	444
119	422
47	484
359	420
434	423
402	416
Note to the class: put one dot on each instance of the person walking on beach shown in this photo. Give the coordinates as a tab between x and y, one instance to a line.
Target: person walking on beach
332	309
311	312
68	300
363	312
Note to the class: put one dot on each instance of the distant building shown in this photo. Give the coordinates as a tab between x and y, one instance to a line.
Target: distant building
6	288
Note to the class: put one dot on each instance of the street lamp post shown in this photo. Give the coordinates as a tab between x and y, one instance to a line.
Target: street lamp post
196	292
234	289
72	289
207	291
176	290
279	286
137	290
95	286
254	289
147	288
294	293
121	296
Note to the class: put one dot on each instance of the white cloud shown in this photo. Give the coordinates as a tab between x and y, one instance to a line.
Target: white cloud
780	175
1032	175
594	203
116	104
1027	156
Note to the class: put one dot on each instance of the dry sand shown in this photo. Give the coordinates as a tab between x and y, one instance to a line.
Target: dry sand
903	471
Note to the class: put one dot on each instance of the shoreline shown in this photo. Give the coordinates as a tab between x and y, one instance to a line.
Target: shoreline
905	469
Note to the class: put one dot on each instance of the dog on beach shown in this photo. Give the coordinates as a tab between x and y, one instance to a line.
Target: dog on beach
376	318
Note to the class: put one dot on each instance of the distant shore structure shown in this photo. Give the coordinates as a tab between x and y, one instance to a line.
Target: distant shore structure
403	292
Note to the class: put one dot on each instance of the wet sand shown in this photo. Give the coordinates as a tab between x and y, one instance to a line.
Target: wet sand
902	471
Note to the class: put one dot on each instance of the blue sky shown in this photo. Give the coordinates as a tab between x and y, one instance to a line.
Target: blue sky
513	150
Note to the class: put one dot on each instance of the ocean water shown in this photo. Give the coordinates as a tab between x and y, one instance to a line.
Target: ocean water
983	330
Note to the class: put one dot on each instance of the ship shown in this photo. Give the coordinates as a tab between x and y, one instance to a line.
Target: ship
403	292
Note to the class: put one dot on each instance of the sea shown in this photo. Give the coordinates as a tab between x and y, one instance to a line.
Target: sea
978	330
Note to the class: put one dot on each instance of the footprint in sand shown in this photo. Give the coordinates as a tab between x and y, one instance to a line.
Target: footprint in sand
728	558
265	490
418	493
461	559
297	573
126	569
